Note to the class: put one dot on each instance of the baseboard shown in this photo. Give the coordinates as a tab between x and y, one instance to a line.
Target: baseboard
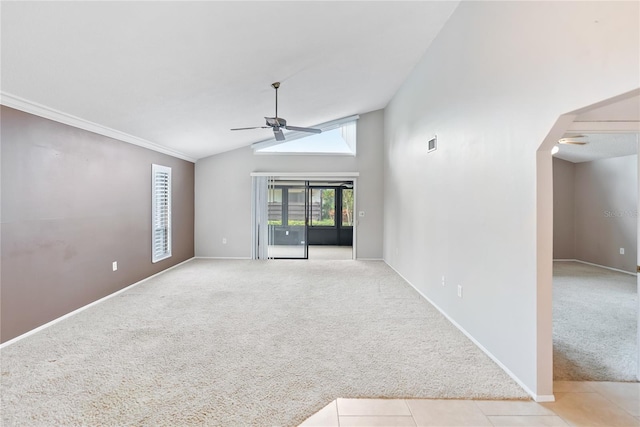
248	258
596	265
536	397
544	398
84	307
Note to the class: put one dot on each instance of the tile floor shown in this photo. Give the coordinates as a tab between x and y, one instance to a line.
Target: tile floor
577	404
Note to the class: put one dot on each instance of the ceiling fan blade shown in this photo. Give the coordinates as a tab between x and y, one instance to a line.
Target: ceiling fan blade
278	133
299	129
255	127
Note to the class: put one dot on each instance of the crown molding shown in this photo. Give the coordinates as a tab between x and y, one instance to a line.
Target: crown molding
40	110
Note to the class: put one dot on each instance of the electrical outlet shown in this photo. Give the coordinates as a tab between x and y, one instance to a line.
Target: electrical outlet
224	240
621	251
459	291
442	280
114	265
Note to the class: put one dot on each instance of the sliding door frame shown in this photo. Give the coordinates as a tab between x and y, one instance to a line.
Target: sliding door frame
314	176
285	188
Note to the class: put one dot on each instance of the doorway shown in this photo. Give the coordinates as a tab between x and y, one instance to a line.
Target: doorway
595	190
620	114
310	219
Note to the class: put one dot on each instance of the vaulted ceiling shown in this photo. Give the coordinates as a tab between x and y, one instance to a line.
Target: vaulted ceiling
181	74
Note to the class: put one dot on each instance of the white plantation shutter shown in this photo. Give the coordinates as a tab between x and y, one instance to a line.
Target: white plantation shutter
160	212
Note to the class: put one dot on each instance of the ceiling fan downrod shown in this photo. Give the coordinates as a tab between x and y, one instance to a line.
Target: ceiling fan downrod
276	85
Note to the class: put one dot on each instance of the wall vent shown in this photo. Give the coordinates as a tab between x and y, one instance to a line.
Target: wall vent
432	144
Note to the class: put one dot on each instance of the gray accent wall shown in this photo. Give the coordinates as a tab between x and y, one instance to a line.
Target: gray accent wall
606	211
595	211
72	203
491	88
564	233
223	191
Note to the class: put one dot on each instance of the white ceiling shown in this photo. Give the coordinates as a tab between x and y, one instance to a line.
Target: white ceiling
599	146
615	137
181	74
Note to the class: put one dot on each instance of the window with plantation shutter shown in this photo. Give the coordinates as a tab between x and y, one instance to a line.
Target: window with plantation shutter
160	212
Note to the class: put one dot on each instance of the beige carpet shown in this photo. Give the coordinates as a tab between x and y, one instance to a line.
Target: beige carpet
243	343
594	323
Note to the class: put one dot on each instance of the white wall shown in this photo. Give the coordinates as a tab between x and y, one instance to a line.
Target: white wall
223	192
491	86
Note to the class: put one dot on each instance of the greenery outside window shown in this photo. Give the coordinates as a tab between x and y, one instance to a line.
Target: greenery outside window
322	209
347	207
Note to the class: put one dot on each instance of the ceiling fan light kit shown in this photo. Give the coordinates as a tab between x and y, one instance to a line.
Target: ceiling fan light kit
278	123
573	140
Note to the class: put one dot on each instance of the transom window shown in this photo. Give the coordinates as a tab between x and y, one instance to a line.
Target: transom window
337	137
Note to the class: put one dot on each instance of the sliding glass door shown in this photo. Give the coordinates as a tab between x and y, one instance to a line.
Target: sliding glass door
331	214
287	216
290	215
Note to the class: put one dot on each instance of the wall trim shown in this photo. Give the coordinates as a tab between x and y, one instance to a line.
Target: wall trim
536	397
84	307
597	265
40	110
612	126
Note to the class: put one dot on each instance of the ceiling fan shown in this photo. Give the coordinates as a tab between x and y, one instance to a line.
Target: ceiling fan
278	123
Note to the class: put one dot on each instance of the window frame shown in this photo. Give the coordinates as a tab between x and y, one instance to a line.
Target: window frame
165	223
350	121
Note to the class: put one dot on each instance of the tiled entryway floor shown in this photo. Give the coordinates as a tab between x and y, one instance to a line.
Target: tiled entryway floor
577	404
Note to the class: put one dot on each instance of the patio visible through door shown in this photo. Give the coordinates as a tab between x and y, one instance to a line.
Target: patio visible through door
310	219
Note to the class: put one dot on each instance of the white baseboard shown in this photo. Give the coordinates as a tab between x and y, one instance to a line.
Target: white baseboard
245	258
84	307
596	265
536	397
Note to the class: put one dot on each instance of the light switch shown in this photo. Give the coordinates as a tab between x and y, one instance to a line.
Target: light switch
361	214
